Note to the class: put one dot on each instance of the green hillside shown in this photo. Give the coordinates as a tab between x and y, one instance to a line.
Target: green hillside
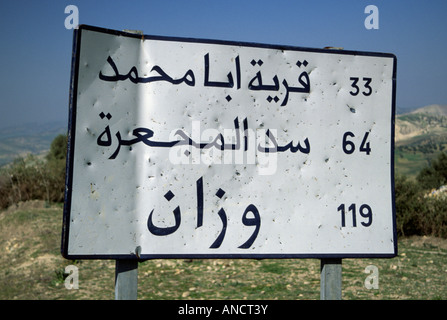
420	136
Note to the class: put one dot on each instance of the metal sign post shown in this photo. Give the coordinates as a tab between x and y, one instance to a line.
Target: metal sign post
331	279
126	279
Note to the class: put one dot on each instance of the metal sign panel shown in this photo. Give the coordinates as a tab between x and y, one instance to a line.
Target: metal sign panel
201	148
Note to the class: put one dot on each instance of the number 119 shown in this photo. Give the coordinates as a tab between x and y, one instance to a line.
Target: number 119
365	212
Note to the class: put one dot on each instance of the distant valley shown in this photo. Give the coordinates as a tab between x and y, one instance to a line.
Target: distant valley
20	140
420	136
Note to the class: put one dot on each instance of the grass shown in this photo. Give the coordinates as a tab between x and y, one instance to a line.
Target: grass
410	163
31	267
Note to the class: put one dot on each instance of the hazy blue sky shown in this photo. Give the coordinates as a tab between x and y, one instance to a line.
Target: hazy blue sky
35	53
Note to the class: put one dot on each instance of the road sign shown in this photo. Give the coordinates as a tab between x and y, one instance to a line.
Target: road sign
204	148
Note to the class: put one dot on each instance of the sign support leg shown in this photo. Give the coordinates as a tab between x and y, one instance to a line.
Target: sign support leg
330	285
126	279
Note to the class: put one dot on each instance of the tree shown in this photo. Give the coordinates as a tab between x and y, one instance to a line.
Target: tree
58	149
434	175
55	168
409	206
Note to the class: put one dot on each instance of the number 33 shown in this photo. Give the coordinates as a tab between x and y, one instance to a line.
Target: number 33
367	83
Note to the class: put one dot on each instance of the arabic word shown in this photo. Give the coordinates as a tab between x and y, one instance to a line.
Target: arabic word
253	219
144	135
257	83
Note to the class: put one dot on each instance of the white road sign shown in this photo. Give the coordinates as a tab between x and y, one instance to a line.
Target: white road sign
201	148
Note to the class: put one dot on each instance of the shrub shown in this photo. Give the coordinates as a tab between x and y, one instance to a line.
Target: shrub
408	206
416	212
435	175
434	221
32	178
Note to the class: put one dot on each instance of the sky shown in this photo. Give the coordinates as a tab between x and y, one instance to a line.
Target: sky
36	47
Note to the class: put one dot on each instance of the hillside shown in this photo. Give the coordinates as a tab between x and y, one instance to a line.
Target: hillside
419	137
433	109
427	120
19	140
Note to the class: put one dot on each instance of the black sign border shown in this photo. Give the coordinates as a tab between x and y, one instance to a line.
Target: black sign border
71	142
